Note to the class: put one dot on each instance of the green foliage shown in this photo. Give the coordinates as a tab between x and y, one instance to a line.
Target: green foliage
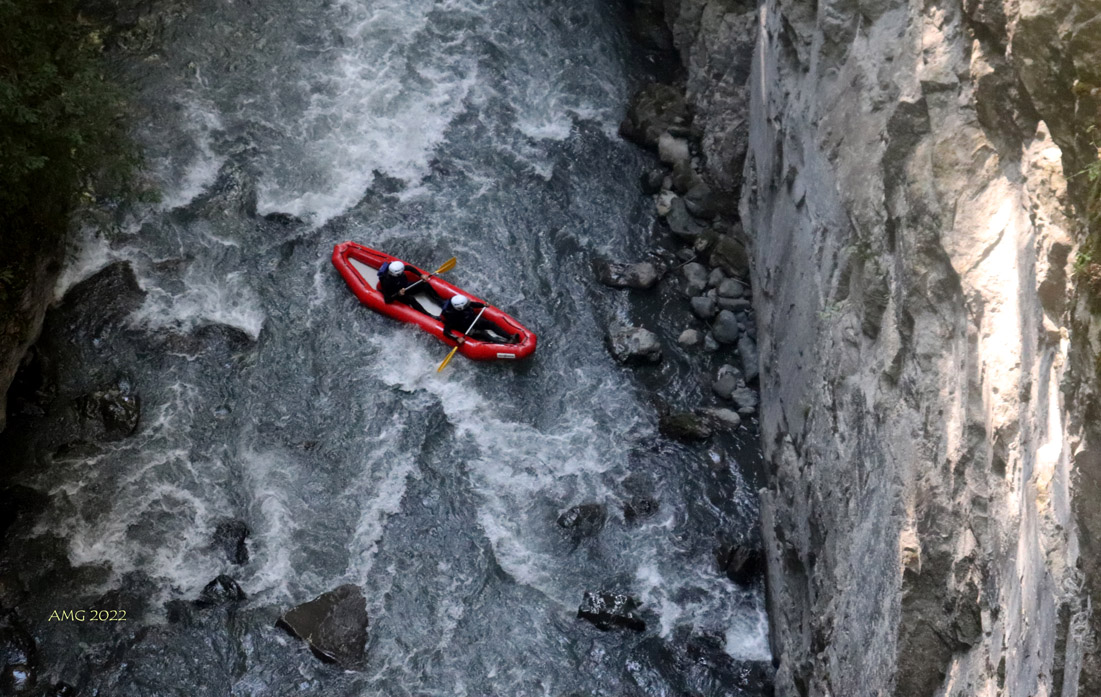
62	131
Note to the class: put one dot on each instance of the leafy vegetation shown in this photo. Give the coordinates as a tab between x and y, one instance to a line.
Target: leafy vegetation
62	132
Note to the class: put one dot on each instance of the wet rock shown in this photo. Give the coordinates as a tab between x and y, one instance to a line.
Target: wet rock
221	591
664	203
110	413
685	178
704	307
230	536
685	425
584	520
642	275
17	657
685	254
107	296
634	345
727	379
654	109
723	418
334	625
639	507
695	274
734	304
730	288
741	564
681	223
701	202
730	255
715	279
673	151
746	399
651	180
747	350
284	219
709	343
689	338
725	327
610	611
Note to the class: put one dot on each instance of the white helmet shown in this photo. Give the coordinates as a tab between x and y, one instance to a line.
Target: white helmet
396	268
459	301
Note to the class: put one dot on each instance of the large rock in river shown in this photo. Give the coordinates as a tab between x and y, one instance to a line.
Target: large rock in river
656	108
334	625
610	611
642	275
634	345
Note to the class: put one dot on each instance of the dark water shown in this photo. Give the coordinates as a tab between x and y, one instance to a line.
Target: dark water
482	130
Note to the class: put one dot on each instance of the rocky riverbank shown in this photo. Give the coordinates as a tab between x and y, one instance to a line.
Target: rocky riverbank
927	366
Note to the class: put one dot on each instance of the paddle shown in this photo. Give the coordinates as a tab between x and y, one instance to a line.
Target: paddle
447	266
452	354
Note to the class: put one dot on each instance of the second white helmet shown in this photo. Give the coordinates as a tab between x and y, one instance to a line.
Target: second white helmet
459	301
396	268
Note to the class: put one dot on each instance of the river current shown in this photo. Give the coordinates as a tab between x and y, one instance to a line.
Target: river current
478	129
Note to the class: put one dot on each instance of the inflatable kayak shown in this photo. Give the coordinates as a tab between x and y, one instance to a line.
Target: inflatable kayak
499	337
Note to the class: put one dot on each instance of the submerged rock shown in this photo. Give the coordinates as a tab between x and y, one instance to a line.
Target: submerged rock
334	625
584	520
639	507
230	536
110	413
634	345
685	425
610	611
642	275
221	591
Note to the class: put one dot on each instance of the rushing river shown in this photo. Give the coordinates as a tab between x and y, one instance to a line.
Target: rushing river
480	129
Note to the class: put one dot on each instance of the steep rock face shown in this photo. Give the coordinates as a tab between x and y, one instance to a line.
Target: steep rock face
906	195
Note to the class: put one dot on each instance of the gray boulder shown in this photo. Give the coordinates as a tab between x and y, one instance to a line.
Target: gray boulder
701	201
723	418
704	307
725	327
709	343
583	520
696	275
731	256
747	350
610	611
681	223
634	345
616	275
685	425
735	304
715	279
746	399
726	381
730	288
689	338
334	624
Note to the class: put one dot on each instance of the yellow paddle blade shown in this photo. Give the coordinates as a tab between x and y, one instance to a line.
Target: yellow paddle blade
447	265
447	360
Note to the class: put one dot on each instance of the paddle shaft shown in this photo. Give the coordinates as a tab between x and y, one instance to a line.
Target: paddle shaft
452	354
446	266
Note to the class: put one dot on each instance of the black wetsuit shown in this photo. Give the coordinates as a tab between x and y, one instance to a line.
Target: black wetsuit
459	321
390	285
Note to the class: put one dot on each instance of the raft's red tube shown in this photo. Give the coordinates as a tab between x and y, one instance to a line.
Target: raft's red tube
345	253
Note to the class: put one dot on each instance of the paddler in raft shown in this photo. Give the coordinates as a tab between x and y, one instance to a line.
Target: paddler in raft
393	284
460	316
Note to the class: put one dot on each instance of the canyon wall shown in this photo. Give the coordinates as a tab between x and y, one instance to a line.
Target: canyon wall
927	338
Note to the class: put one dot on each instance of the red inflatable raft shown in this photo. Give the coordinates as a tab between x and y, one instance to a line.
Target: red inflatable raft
359	266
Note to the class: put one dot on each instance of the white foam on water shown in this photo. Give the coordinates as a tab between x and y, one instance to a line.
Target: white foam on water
270	486
380	495
516	462
93	254
228	300
181	183
747	638
378	106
